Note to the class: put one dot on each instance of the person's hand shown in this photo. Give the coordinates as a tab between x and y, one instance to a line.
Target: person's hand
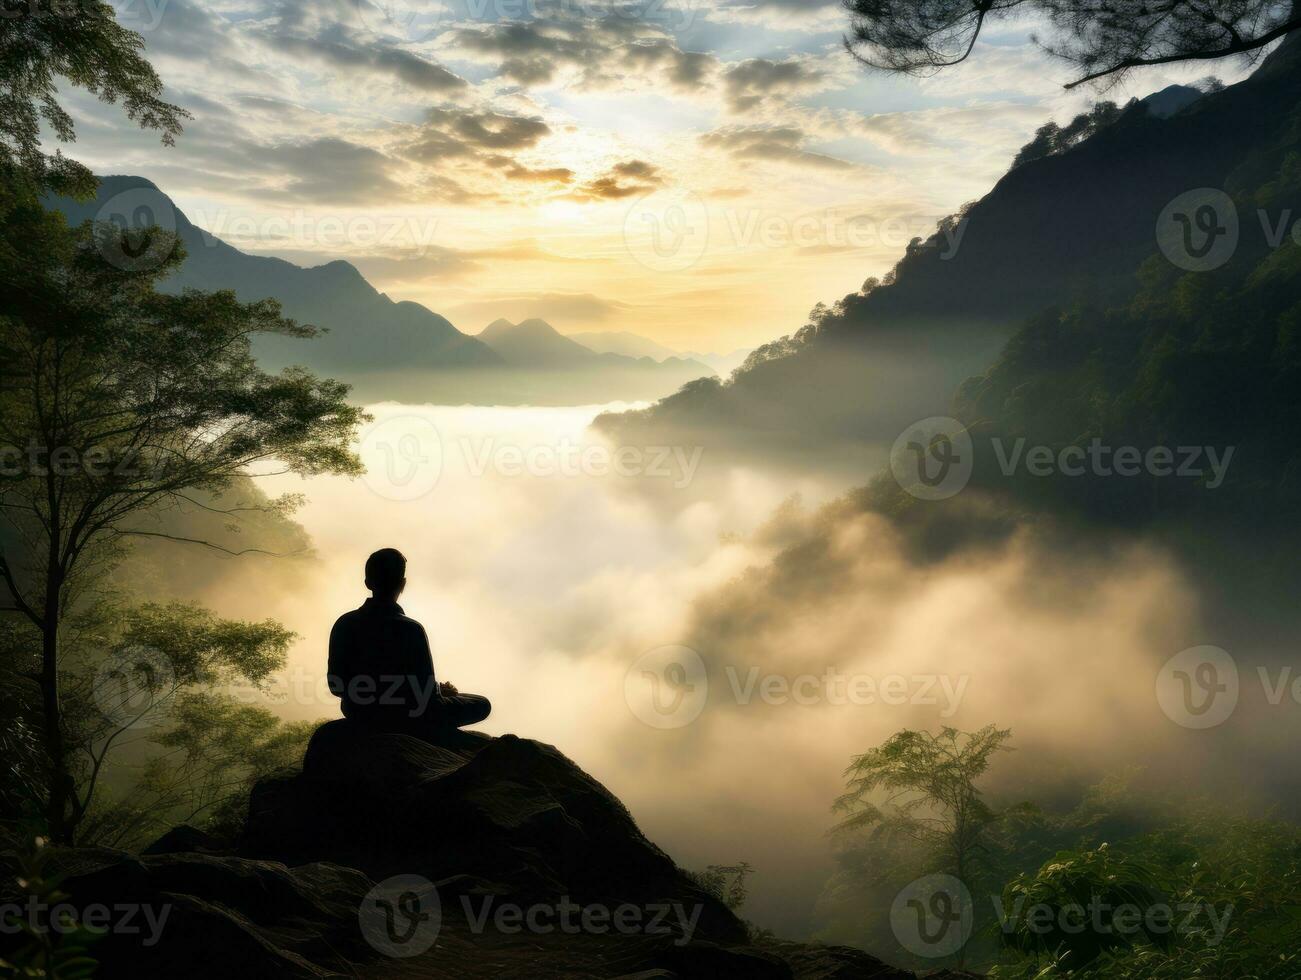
447	690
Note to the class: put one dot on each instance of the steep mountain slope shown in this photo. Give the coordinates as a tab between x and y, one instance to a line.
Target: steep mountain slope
367	331
1070	227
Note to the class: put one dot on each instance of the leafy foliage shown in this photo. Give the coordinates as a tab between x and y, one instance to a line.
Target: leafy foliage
81	42
61	953
932	799
211	750
1099	37
726	882
1051	139
1075	908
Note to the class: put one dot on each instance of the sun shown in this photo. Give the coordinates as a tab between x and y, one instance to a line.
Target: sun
565	211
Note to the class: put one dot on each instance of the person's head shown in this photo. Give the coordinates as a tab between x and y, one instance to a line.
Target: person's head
386	573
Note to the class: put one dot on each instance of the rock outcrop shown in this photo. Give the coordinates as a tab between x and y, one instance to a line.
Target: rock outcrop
391	857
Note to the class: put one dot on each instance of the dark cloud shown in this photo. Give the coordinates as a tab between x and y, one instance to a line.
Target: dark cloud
335	171
750	83
624	179
490	130
406	67
466	133
547	175
637	170
784	144
324	31
606	52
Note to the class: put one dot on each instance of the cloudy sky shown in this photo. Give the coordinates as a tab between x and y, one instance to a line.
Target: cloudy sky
700	173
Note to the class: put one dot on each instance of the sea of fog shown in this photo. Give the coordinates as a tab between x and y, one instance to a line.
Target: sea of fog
583	587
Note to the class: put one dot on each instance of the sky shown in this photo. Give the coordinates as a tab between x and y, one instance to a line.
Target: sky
698	173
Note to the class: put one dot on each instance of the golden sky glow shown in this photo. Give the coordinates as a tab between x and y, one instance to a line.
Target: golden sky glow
699	174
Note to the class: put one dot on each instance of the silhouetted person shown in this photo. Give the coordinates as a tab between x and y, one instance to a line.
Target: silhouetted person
381	667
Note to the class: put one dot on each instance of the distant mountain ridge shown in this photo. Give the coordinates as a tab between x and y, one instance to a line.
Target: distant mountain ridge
387	350
334	296
634	345
536	342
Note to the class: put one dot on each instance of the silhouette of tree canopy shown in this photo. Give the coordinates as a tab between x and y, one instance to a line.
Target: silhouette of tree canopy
116	399
82	42
1099	37
929	782
1050	139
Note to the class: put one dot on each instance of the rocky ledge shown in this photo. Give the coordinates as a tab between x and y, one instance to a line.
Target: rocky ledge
390	857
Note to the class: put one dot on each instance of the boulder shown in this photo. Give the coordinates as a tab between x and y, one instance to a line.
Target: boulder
184	840
506	817
199	915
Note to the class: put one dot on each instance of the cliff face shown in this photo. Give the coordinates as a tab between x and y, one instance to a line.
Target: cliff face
390	857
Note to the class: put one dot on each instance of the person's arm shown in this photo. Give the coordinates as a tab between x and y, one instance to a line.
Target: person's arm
425	661
337	666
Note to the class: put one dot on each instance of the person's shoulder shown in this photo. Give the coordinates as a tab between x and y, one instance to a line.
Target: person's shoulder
350	616
408	623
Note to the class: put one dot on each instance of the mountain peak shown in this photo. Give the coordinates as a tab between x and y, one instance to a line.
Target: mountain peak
1171	99
499	327
339	270
536	325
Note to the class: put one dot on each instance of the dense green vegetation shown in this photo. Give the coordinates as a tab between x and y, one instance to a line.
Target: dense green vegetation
1124	883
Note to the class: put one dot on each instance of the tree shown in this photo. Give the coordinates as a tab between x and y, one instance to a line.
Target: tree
153	690
1100	38
205	761
115	399
726	882
931	796
79	41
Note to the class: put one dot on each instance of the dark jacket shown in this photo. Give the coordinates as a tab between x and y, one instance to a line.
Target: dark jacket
380	664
